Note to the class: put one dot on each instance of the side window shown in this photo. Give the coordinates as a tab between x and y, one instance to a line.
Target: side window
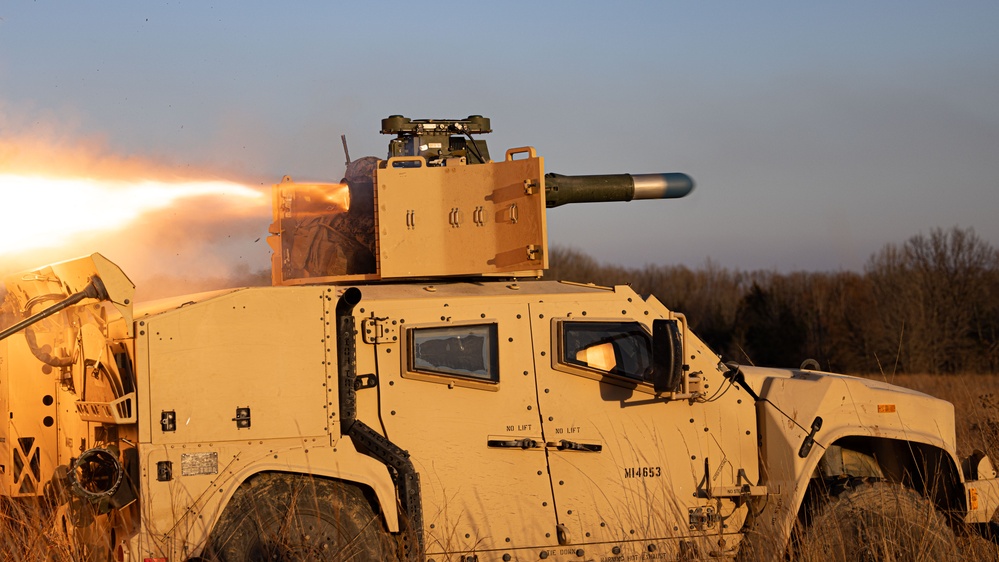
617	348
455	351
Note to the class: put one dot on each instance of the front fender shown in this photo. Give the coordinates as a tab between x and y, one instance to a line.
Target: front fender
791	400
848	406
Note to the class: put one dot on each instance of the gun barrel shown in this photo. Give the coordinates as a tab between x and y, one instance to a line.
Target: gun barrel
560	189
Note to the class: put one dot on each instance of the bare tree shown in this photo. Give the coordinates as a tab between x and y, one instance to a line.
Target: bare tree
933	298
929	305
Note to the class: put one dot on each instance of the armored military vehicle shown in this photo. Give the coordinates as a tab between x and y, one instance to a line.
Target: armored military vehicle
409	388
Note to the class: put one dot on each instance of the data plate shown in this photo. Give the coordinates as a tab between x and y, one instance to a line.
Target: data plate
193	464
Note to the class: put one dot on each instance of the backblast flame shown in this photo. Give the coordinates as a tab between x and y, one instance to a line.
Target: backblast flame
44	212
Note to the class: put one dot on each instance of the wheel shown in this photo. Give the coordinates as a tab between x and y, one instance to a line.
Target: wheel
284	517
876	522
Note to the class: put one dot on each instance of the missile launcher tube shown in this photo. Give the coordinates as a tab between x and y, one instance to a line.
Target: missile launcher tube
560	189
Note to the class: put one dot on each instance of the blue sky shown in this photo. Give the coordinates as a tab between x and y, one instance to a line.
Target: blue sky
816	132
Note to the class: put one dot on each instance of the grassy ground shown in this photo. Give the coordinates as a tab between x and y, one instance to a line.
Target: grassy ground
28	534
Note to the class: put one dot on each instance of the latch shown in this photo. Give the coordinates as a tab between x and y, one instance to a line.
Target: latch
379	330
168	420
533	252
365	381
702	518
530	186
164	471
242	418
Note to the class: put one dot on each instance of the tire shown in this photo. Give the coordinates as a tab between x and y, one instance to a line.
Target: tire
877	521
284	517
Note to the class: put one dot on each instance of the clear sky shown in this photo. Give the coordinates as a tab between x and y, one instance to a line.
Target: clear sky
816	132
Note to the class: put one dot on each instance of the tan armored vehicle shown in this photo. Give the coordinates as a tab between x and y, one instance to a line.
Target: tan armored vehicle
408	389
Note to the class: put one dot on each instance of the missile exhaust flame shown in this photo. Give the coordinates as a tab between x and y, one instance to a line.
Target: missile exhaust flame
177	227
48	212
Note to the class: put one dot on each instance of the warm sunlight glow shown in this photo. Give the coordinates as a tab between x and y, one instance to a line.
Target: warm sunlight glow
42	212
319	199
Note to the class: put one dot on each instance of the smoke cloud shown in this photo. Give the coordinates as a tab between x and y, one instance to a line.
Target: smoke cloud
199	239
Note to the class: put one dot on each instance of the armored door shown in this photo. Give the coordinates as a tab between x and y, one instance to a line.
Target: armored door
457	391
631	470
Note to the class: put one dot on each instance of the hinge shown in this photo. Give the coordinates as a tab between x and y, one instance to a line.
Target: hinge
379	330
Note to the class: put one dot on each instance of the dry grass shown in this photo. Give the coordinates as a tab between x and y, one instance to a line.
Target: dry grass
854	526
976	409
28	533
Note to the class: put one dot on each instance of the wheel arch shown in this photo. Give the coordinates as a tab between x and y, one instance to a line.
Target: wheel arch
354	469
233	510
928	469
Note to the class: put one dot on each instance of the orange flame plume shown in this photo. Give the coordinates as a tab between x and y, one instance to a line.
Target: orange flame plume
166	224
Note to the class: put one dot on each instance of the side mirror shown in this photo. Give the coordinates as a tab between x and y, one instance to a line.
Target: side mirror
667	356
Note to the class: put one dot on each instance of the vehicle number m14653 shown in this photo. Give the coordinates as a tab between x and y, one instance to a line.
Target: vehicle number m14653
643	472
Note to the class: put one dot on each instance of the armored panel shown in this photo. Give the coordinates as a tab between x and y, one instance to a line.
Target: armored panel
405	219
325	231
208	364
461	220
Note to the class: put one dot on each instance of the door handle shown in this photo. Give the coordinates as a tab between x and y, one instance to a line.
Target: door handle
525	443
566	445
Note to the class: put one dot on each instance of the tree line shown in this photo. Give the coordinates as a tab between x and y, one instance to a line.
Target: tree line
928	305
